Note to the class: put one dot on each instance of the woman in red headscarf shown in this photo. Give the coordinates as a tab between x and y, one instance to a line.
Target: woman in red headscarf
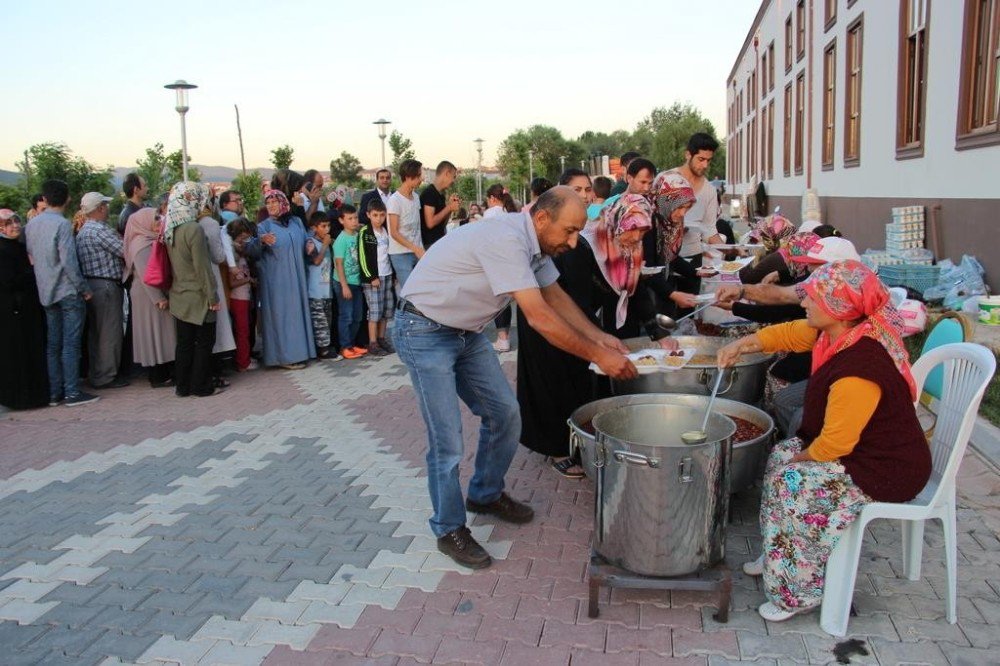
859	440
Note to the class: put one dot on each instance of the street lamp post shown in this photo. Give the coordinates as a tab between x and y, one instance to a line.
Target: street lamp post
562	163
180	88
479	170
531	164
382	122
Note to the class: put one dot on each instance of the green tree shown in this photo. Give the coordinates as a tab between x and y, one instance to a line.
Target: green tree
175	170
346	170
547	145
663	135
249	185
55	160
153	169
602	143
465	187
402	149
14	197
282	157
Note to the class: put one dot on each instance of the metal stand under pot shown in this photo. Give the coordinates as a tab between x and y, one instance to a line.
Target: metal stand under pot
661	505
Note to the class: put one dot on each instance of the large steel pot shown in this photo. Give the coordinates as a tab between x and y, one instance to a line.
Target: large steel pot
744	382
662	505
749	455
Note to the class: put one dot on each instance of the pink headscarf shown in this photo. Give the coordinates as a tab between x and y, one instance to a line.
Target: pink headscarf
773	230
797	245
849	290
620	264
283	206
670	191
142	229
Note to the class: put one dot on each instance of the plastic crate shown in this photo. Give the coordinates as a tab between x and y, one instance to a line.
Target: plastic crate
914	276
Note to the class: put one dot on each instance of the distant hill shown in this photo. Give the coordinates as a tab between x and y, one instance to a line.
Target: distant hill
9	177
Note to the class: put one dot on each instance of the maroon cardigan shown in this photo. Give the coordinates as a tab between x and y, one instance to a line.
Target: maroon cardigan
892	461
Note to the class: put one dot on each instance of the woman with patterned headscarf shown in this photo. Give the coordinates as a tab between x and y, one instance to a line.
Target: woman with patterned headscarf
193	299
859	440
672	196
279	249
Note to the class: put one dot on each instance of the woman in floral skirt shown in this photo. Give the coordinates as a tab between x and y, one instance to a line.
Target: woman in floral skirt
859	440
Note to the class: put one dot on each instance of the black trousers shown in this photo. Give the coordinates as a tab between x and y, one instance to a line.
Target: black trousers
193	362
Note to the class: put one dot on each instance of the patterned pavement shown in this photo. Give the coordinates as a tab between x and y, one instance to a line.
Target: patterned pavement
284	522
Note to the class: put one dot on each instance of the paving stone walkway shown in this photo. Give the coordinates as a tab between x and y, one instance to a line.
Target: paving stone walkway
285	522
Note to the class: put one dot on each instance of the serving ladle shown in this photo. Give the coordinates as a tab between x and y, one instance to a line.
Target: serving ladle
699	436
669	323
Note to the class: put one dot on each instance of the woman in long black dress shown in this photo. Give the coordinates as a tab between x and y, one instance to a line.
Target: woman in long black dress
23	367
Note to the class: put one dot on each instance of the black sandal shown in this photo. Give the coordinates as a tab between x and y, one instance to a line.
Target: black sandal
564	466
219	382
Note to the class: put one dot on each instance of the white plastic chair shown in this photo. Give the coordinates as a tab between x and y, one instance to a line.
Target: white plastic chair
968	369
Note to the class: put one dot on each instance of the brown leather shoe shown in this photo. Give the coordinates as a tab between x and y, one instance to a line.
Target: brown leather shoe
504	508
460	546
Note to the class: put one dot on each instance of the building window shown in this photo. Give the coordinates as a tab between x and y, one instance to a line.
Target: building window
788	43
752	145
763	75
752	101
829	99
800	120
852	103
764	117
912	77
979	92
770	66
829	14
800	30
770	140
787	130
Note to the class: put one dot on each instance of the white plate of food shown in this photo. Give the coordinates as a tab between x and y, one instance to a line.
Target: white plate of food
648	361
651	270
734	266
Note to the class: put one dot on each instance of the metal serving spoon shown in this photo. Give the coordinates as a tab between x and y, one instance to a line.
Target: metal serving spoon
699	436
669	323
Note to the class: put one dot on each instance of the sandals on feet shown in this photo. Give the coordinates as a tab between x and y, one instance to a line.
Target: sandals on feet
565	467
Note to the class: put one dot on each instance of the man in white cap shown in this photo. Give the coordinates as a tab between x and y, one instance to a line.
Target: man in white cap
101	251
825	250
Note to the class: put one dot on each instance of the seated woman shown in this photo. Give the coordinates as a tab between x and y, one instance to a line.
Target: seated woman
859	440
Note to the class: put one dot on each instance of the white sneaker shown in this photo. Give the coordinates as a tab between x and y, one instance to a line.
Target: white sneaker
501	346
755	567
772	613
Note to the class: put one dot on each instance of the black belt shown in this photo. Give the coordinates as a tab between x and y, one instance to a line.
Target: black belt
96	277
407	306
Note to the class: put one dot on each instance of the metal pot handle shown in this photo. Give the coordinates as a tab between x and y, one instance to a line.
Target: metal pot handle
684	470
574	441
636	459
734	374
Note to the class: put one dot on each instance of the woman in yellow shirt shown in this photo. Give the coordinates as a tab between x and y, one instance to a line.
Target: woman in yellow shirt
859	440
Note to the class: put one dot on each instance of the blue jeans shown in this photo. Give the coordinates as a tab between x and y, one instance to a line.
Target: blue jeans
64	321
403	264
348	313
448	364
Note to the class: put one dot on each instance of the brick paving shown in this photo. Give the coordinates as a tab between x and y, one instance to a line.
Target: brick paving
284	522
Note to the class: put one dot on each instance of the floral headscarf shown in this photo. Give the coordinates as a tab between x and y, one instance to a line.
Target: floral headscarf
185	203
797	245
772	231
849	290
670	191
283	206
620	265
141	231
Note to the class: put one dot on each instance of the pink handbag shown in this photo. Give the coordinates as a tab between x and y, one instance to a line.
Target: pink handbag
158	274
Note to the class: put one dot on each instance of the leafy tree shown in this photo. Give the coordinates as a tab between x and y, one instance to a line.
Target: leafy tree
14	197
346	170
153	168
465	187
56	160
662	137
547	144
282	157
249	185
175	170
402	149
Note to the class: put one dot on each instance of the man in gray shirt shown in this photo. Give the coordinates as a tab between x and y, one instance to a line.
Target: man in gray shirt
62	292
458	287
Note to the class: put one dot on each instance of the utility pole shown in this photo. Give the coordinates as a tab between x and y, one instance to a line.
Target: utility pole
239	133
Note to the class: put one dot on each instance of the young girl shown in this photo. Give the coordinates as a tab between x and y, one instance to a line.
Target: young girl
241	230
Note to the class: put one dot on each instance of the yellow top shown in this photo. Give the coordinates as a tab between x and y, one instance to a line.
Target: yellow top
851	402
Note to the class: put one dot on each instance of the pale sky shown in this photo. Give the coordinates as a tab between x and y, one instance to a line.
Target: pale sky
316	74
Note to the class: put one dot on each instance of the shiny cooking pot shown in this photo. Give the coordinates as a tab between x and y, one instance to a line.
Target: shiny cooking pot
749	456
661	506
743	383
